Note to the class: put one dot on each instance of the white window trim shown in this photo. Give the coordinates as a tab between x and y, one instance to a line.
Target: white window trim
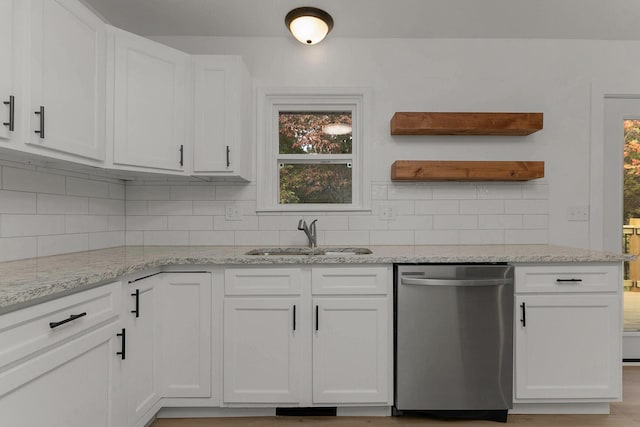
273	100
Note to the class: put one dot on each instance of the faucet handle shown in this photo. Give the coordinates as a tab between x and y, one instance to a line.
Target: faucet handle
301	226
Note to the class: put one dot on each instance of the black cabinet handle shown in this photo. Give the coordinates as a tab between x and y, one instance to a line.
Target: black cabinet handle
41	114
12	112
524	314
317	327
123	353
228	161
137	310
294	317
568	280
181	155
69	319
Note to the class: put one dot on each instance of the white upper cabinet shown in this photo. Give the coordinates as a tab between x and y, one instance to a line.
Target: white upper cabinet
66	78
148	106
7	97
223	129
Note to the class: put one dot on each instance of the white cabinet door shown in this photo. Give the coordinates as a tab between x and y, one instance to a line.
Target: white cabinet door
6	65
185	335
149	103
67	78
262	350
351	350
222	116
69	386
568	347
140	366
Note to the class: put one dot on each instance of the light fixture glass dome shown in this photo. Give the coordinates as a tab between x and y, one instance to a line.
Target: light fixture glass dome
309	25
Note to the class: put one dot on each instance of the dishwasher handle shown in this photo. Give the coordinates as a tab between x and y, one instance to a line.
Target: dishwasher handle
455	282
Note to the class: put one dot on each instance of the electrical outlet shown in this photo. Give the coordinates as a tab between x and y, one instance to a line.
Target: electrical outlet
578	213
387	212
232	213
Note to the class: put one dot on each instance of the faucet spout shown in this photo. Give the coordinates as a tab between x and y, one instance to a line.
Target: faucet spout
310	231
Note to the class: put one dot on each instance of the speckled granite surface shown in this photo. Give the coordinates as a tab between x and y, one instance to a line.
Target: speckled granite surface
31	280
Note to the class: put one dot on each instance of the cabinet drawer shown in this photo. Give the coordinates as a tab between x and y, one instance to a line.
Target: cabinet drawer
262	281
350	280
27	331
568	278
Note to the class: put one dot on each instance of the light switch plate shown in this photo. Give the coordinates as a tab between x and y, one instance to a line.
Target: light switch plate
578	213
232	213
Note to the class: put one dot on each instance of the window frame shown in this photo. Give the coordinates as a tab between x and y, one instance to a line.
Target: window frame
271	102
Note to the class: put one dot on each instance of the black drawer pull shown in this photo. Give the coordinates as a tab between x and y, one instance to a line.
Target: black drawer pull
181	155
228	160
137	310
317	318
294	317
123	353
41	114
12	112
568	280
524	315
70	319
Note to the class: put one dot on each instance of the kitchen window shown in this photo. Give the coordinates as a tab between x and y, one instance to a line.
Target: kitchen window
311	151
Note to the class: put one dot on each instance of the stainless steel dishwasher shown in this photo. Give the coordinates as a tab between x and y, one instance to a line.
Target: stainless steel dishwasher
454	340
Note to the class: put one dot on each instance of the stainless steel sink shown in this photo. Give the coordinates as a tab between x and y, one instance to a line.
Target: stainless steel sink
309	251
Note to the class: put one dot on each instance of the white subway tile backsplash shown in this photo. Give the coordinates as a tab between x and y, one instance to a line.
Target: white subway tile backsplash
205	238
535	221
54	204
170	207
116	223
535	191
210	207
147	222
245	223
297	238
107	239
391	237
87	187
454	191
86	223
482	237
106	206
500	191
257	238
62	244
147	192
409	191
455	222
379	192
277	222
328	222
437	237
18	248
236	192
481	207
526	207
17	202
31	225
134	238
437	207
346	238
32	181
368	222
499	222
526	236
192	192
399	207
166	238
411	222
136	207
117	191
190	222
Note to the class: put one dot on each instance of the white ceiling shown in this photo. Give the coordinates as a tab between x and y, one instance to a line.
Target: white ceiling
558	19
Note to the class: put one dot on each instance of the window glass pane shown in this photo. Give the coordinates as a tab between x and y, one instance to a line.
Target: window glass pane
310	132
315	183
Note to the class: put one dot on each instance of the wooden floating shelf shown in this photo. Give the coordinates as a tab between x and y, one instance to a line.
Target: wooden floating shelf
438	170
466	123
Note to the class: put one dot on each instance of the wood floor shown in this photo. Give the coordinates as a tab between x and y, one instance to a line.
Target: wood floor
623	414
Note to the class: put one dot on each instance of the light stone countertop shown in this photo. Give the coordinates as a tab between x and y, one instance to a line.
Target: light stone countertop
34	280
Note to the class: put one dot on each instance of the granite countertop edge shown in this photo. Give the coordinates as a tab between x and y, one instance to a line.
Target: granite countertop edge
35	280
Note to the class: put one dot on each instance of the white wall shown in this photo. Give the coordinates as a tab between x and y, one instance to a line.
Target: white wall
46	211
551	76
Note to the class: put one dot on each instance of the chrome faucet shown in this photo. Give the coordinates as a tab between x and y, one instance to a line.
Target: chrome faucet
310	231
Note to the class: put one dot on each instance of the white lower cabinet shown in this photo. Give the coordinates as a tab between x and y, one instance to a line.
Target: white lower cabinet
305	350
568	338
59	362
262	350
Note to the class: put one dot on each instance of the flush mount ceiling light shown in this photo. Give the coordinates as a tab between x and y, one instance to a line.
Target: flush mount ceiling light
309	25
